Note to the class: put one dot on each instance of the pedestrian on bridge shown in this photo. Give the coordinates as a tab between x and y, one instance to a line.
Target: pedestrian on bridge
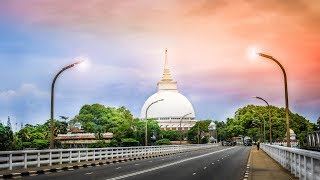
258	145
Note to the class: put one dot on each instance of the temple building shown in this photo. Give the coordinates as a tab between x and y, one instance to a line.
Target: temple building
172	108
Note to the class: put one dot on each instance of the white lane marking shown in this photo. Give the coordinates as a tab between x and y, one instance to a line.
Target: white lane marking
221	158
194	174
118	168
218	159
212	163
162	159
205	168
150	161
167	165
137	164
89	173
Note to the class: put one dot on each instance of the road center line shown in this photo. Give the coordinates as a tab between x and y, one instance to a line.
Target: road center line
166	165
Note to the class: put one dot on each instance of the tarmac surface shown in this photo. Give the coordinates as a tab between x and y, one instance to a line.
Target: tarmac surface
220	162
216	162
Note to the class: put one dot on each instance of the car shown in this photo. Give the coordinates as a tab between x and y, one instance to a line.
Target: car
228	143
247	142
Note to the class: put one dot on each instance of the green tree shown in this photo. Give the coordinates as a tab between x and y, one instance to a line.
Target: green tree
170	134
126	142
248	121
6	138
201	127
221	130
97	118
163	142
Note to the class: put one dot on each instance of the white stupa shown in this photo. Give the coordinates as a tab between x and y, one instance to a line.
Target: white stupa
173	107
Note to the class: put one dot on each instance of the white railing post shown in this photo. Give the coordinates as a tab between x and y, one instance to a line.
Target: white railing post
300	166
87	155
311	168
121	152
10	161
295	165
70	156
79	155
25	160
38	159
291	162
100	155
94	155
305	167
50	158
60	157
106	153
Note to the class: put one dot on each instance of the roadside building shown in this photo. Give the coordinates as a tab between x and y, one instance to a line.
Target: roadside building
77	138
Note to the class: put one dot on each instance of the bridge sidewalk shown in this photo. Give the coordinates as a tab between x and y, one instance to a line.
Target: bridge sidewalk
263	167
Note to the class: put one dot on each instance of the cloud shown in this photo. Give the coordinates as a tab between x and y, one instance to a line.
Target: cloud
24	90
25	104
7	94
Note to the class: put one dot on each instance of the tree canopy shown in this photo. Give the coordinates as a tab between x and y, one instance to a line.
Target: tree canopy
97	118
250	120
6	138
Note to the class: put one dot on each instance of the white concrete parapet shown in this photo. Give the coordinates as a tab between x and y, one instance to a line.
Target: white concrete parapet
302	163
35	158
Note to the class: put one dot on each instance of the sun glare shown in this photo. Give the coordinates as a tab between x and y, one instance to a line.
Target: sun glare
252	53
85	62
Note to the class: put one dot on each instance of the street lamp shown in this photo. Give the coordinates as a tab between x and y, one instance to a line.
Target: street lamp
270	133
180	125
146	133
52	101
286	94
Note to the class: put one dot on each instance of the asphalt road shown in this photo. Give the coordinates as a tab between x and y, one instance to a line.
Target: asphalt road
215	163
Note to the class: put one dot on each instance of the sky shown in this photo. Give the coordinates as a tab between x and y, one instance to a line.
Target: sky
207	41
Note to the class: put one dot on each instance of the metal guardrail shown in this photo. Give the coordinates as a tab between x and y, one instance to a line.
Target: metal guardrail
35	158
302	163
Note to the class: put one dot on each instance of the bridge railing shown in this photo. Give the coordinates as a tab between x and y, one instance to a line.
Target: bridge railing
302	163
35	158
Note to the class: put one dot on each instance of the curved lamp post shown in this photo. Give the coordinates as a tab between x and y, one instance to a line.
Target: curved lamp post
52	101
286	94
146	133
270	133
180	125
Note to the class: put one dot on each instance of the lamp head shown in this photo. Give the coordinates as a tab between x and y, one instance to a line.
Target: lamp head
265	56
